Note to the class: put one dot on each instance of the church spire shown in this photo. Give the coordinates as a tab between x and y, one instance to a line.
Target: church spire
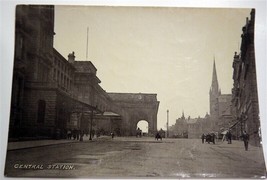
183	115
214	94
214	83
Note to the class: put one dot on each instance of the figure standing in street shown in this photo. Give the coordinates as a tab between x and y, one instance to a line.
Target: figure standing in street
203	138
138	132
69	134
245	137
112	135
158	136
208	138
78	134
213	138
229	137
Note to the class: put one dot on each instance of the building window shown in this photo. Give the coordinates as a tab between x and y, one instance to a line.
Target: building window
41	111
61	79
55	74
58	78
19	46
42	73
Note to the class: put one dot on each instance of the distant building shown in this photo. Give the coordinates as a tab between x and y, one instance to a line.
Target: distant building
191	128
180	128
245	95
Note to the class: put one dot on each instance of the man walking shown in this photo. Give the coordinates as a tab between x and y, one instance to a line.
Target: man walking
229	137
245	137
203	138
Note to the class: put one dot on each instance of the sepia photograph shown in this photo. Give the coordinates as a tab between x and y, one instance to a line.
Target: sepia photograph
134	92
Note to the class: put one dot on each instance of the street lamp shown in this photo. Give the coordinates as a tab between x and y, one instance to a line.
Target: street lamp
167	122
91	123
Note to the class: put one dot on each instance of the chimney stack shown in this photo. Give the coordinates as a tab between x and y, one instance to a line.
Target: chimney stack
71	57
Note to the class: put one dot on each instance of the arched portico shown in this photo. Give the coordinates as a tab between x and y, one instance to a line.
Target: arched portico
136	107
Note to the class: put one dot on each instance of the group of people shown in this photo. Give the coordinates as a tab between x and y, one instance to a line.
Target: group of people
75	134
210	137
244	137
228	137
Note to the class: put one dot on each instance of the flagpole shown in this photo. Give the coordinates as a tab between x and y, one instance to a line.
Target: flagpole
87	44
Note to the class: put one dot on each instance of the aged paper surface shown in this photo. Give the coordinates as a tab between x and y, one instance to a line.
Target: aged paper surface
130	92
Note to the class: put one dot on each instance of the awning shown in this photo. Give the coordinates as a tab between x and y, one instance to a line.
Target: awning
108	114
112	114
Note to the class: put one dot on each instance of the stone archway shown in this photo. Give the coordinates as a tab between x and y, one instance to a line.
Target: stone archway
136	107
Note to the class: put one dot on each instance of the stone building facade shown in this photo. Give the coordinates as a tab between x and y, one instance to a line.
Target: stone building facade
191	128
220	105
244	92
51	94
43	92
136	107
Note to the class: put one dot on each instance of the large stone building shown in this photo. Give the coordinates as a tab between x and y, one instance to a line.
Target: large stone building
245	95
220	105
51	94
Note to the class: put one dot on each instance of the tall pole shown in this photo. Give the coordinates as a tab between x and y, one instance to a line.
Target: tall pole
91	124
167	123
87	44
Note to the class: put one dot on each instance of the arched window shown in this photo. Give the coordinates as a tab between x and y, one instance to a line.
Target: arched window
41	111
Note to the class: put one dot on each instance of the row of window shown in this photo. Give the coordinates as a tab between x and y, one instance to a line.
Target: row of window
61	66
62	79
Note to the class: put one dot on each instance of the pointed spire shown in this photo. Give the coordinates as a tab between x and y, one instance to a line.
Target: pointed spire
214	83
183	115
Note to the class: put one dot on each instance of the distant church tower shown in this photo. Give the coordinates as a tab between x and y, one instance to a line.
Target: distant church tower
215	92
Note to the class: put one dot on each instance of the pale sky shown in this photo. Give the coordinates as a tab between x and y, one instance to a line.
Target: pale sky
167	51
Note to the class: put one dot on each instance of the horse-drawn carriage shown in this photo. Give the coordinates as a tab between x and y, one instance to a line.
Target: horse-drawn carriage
210	137
158	136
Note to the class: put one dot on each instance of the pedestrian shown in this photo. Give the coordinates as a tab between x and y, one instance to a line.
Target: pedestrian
78	134
224	137
213	138
245	138
203	138
81	135
229	137
158	136
69	134
208	138
74	134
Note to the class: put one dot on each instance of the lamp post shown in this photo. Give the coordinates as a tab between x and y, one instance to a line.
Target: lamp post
91	123
167	123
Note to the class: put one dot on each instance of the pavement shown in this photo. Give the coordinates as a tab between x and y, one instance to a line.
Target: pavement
40	143
136	157
237	145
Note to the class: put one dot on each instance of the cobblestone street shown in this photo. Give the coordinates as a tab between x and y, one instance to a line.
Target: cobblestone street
138	157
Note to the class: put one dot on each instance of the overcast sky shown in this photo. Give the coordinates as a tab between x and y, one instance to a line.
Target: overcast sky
167	51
